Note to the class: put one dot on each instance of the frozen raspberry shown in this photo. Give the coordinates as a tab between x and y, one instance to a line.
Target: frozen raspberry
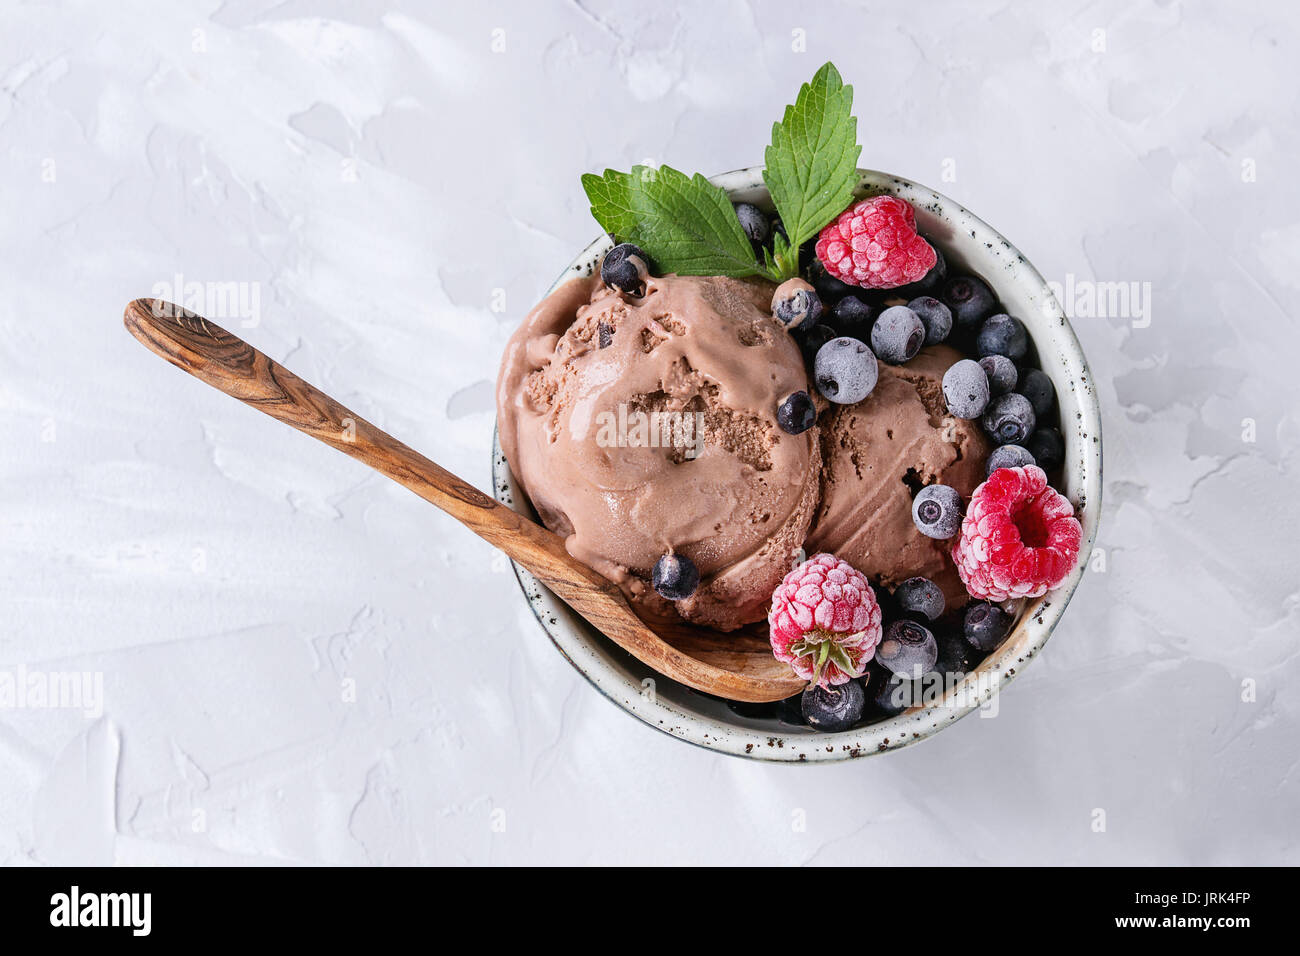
874	244
1019	538
825	622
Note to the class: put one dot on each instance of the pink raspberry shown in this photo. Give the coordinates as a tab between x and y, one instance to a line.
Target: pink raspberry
874	244
825	622
1019	537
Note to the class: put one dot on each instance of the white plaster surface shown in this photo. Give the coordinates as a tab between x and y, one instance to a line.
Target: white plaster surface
381	176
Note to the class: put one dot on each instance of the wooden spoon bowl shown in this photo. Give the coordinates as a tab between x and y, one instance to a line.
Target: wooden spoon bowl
738	668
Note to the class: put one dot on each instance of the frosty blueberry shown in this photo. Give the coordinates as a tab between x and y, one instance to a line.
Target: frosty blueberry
853	317
908	649
754	222
985	625
1001	372
897	335
935	316
966	389
937	511
1008	456
1002	335
969	299
845	370
1009	419
1037	387
920	596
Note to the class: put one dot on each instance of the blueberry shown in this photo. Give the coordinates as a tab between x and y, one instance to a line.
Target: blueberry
930	281
969	299
795	304
897	335
754	222
1009	419
836	708
845	370
936	511
625	268
920	596
1048	448
887	692
1002	335
675	577
797	413
985	625
851	316
778	227
1001	372
1008	456
956	654
966	389
811	341
828	286
908	649
935	316
1037	387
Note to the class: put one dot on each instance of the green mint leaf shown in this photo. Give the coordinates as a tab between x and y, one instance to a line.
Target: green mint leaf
684	223
812	164
611	201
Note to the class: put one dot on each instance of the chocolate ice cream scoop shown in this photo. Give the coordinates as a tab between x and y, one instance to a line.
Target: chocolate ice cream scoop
642	425
877	455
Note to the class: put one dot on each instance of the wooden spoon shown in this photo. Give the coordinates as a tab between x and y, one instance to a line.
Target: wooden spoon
739	667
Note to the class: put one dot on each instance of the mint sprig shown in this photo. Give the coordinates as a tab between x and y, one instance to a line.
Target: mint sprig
688	226
812	164
684	223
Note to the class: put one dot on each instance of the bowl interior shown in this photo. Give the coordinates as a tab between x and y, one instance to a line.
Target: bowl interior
969	245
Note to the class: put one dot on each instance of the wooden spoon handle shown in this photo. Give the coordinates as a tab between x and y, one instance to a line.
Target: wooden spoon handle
231	365
227	363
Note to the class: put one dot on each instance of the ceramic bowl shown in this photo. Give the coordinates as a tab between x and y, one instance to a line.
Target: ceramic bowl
970	245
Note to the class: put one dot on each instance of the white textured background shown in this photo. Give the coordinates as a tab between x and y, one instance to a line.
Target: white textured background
380	176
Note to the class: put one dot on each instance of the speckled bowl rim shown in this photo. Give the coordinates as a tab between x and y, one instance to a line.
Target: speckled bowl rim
648	697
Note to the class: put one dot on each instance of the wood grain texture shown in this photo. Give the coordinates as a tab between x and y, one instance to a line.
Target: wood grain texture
738	669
